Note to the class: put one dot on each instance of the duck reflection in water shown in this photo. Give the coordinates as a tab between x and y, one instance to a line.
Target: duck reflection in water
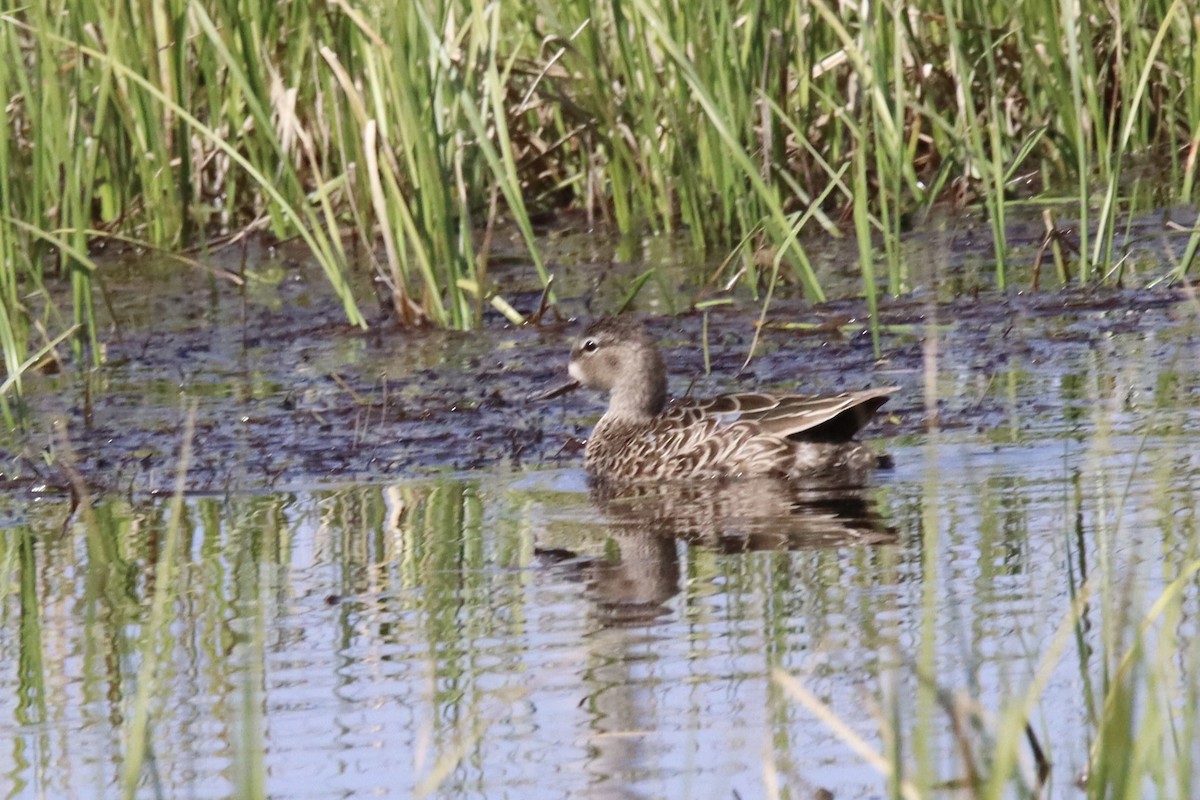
649	523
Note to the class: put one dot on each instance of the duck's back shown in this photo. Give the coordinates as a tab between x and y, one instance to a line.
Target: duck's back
802	418
748	434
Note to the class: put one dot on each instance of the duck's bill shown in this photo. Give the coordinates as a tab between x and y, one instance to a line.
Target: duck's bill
558	391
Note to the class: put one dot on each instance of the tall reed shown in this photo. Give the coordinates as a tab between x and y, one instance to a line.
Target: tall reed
421	125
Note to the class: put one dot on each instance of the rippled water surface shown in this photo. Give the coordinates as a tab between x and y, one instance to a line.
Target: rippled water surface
417	594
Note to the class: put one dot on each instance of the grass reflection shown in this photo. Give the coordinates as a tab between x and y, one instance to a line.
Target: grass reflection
506	633
1049	646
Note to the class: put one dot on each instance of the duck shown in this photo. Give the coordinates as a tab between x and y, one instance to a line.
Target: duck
644	435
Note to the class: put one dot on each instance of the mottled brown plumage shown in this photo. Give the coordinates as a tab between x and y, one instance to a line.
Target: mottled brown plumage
642	436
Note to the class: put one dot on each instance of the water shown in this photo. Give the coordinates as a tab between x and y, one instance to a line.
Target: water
473	636
380	630
397	583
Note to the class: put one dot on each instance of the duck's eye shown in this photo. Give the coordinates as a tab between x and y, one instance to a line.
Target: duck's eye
590	346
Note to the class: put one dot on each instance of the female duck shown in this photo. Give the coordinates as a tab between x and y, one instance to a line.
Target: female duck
642	436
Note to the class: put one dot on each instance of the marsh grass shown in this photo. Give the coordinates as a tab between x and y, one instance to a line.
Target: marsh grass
420	126
1125	631
1140	700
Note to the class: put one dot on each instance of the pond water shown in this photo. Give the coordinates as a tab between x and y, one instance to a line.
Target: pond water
387	576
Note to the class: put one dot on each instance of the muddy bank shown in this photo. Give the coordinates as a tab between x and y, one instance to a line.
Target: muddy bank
286	395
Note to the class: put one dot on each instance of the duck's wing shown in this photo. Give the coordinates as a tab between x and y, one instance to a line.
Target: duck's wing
810	418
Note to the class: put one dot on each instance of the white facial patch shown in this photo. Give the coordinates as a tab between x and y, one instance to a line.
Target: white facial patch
575	372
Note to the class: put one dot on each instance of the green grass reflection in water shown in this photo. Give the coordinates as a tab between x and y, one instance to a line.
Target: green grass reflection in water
510	634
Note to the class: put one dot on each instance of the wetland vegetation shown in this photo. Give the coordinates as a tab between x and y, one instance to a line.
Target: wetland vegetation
395	137
336	532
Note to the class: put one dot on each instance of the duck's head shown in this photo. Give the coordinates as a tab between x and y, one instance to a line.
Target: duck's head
616	355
